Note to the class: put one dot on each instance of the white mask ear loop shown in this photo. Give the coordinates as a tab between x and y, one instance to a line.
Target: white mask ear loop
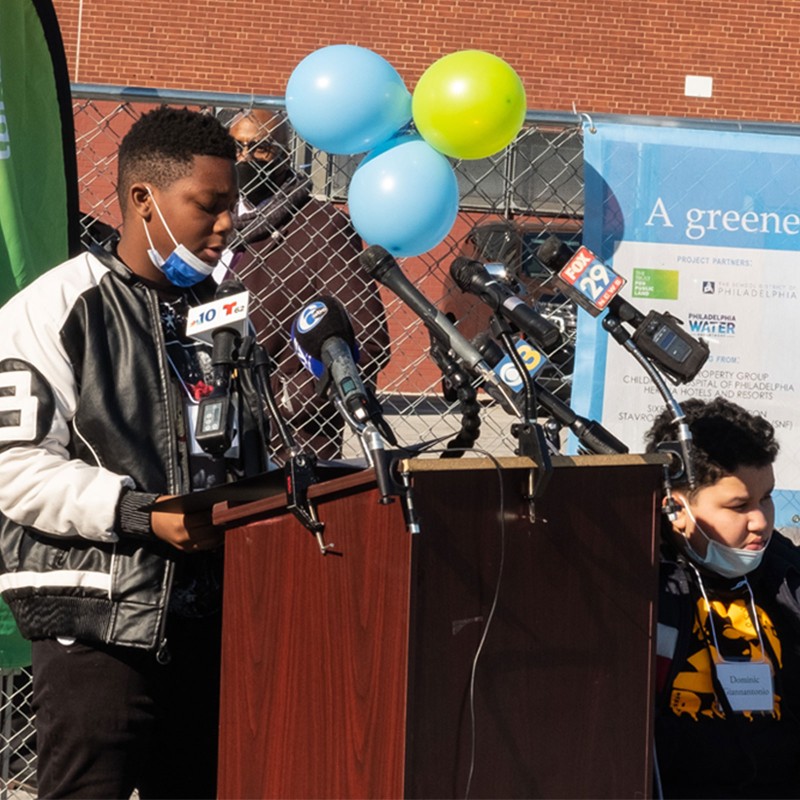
684	503
154	254
161	217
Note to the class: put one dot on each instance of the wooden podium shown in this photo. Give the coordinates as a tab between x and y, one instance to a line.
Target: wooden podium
486	654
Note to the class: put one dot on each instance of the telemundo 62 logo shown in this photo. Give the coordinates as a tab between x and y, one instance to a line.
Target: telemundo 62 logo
311	316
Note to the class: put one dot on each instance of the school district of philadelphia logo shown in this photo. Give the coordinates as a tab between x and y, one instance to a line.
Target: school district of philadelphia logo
750	289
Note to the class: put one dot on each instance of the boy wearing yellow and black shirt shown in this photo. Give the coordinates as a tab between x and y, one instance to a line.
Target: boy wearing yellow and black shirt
728	705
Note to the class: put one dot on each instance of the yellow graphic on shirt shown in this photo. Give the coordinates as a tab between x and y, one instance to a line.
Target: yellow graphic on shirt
693	690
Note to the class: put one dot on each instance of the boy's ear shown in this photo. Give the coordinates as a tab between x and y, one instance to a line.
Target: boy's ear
140	201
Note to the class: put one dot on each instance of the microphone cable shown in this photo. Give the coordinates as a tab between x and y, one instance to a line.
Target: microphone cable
487	623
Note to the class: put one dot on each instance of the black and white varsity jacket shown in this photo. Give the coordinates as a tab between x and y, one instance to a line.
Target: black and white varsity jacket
88	428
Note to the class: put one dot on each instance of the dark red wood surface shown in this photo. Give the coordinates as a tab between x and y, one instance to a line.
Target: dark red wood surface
315	658
349	675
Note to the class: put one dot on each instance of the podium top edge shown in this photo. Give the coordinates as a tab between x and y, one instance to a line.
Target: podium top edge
523	462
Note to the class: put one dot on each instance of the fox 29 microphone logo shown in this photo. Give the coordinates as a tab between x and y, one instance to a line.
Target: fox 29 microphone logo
595	283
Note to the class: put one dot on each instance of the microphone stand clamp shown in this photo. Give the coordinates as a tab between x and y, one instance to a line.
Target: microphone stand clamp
299	474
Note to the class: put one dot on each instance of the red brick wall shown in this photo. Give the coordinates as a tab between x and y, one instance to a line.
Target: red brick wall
616	56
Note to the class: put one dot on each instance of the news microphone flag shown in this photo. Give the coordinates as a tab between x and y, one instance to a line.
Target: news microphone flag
533	359
224	311
39	218
595	282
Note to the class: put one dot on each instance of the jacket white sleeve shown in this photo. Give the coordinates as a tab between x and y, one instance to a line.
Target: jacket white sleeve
40	486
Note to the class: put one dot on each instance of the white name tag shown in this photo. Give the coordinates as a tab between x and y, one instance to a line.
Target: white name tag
747	685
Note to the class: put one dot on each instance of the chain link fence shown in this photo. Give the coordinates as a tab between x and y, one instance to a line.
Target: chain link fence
17	738
508	204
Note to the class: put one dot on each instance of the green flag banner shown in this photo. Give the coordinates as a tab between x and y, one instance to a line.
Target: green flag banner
38	173
15	652
38	178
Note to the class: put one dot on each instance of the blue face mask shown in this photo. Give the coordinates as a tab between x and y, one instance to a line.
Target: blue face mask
182	267
730	562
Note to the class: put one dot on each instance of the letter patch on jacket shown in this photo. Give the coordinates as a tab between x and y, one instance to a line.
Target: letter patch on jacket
27	404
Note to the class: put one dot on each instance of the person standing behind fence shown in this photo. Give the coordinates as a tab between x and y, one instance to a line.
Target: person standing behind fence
98	380
288	249
727	719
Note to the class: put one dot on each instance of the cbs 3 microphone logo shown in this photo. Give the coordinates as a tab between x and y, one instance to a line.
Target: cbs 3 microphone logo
533	360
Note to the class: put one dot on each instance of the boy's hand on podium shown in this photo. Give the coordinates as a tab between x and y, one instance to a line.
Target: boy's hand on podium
190	533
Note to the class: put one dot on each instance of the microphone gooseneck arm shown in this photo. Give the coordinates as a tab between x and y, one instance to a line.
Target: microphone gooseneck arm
529	433
613	325
263	367
299	468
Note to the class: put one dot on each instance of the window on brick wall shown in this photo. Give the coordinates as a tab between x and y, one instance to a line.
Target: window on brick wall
541	174
340	171
547	172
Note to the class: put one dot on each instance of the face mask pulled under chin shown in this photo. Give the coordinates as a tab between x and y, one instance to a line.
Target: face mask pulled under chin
730	562
182	267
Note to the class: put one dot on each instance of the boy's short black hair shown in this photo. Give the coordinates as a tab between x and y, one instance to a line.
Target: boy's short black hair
160	146
725	436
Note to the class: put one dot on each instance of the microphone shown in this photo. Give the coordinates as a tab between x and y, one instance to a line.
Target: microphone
381	265
591	434
657	340
594	286
323	338
224	321
472	277
597	283
227	310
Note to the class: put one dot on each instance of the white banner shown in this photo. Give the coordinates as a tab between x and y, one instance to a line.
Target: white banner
704	225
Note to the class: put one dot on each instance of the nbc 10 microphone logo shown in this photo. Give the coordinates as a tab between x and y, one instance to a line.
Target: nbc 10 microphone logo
310	316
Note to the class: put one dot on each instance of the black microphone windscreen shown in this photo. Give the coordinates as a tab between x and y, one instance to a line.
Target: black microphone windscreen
320	320
377	260
553	253
230	287
491	352
462	270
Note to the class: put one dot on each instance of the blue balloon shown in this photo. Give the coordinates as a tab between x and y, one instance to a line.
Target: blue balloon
404	196
345	99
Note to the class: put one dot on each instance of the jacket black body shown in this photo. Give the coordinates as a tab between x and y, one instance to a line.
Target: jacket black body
92	413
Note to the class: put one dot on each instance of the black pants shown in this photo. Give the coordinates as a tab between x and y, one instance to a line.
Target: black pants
111	719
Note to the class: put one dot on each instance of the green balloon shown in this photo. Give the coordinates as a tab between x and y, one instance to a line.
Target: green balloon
469	104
